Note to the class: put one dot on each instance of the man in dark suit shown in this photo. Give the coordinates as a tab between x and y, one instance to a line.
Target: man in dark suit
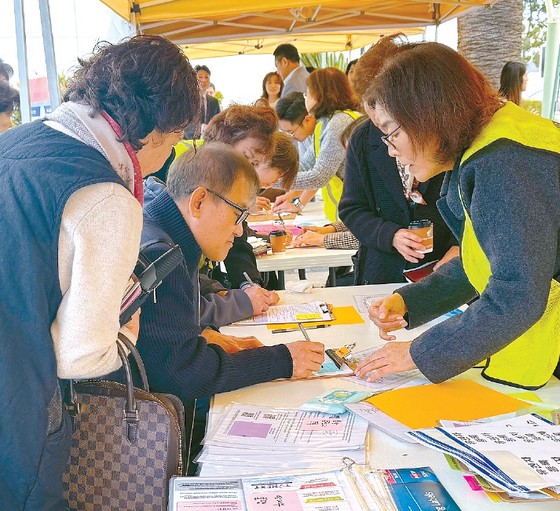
210	105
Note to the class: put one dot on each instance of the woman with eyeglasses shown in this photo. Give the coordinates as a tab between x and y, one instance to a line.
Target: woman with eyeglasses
381	198
329	98
501	196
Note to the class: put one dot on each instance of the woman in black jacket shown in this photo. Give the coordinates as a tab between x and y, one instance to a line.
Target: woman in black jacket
379	201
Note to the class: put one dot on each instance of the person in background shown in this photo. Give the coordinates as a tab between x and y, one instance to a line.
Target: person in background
513	81
295	121
272	88
9	100
210	105
6	71
377	203
336	234
350	70
501	197
249	130
286	60
281	168
329	98
209	194
71	188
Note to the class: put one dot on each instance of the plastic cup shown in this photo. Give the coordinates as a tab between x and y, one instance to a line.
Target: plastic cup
424	229
278	241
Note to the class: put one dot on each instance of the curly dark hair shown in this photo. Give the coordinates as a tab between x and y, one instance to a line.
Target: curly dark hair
143	83
239	122
331	89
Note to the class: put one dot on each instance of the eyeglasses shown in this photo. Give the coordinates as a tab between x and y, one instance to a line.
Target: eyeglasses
243	213
387	138
293	132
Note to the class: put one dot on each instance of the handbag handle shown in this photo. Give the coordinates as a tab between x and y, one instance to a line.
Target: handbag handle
137	359
131	415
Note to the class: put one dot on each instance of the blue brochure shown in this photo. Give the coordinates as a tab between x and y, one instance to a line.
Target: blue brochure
418	489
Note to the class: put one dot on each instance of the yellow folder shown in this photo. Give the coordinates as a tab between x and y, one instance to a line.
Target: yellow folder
460	400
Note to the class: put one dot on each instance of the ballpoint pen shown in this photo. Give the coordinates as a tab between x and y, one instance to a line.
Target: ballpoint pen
285	330
302	328
281	220
249	280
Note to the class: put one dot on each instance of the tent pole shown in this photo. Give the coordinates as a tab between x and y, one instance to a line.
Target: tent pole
48	44
25	101
550	89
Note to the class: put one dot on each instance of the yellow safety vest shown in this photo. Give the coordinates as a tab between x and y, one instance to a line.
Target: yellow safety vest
184	145
333	191
529	361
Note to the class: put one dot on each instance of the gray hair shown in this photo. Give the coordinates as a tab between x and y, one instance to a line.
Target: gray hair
215	166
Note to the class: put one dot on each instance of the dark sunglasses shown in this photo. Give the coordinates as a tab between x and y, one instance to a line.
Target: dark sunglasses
243	213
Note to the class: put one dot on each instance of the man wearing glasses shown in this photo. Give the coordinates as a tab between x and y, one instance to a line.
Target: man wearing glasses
209	194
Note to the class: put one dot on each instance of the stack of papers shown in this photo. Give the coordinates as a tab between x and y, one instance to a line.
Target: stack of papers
330	490
291	439
343	489
520	454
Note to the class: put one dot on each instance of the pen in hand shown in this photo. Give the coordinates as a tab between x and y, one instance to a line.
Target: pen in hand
303	331
249	280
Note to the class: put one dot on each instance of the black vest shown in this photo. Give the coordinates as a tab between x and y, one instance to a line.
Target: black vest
39	169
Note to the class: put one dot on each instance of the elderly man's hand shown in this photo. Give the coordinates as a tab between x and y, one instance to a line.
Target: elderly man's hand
307	357
261	299
230	343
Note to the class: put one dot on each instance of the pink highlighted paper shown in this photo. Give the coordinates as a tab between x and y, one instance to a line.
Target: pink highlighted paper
272	501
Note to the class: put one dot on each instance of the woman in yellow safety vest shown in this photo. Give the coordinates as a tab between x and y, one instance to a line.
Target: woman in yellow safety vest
330	99
501	198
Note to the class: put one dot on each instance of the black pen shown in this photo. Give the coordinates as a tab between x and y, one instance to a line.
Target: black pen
285	330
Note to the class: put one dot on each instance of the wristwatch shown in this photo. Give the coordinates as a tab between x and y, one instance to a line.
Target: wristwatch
297	203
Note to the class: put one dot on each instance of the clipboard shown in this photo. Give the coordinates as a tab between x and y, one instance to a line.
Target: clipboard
311	312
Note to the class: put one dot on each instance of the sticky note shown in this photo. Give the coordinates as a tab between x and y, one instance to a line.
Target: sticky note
460	400
307	317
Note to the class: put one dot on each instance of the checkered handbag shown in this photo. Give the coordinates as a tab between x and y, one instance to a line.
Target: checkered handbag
126	445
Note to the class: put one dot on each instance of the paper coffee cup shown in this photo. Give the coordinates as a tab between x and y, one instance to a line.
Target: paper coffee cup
278	240
424	229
